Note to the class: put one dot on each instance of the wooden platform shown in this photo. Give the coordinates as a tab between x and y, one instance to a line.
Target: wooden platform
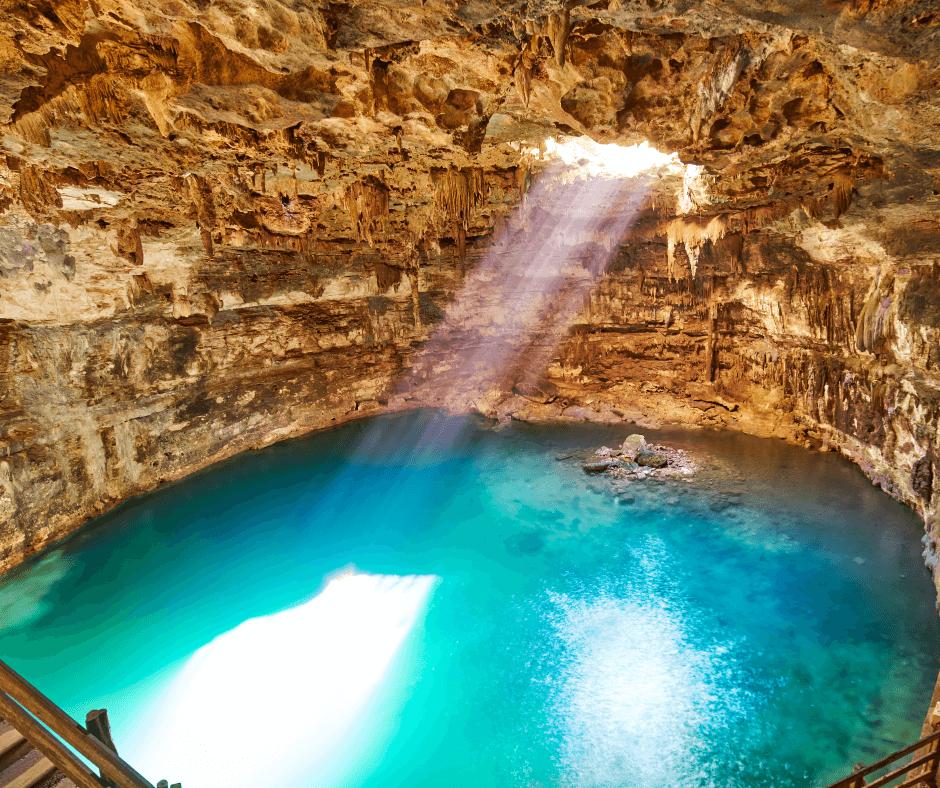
23	766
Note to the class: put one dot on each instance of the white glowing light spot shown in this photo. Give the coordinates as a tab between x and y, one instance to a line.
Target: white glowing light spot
271	701
593	159
636	697
613	161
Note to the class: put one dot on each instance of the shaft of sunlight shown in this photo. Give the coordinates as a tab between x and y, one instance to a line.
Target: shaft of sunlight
517	305
271	701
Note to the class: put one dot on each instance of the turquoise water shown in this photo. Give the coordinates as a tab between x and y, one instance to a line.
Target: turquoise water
432	601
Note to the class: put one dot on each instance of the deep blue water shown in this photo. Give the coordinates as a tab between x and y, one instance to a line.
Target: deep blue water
496	617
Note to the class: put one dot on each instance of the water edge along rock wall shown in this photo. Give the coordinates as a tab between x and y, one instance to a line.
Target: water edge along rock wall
226	225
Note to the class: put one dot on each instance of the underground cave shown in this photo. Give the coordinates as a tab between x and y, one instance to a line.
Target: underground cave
538	393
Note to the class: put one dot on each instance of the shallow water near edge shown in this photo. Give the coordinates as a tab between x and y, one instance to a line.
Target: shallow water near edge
423	600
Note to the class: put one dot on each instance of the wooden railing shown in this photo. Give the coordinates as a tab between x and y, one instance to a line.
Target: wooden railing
46	726
34	716
925	764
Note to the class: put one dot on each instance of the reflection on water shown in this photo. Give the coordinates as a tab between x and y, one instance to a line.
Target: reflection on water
506	623
274	698
638	692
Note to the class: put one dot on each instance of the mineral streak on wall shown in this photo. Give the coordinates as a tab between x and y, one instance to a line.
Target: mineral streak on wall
225	225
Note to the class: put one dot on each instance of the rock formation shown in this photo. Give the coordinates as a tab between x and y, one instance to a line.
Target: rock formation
228	223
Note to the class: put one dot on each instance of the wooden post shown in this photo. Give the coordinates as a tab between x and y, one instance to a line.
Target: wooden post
74	734
63	758
859	773
860	782
98	725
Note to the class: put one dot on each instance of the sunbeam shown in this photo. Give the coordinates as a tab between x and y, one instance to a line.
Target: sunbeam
271	701
518	303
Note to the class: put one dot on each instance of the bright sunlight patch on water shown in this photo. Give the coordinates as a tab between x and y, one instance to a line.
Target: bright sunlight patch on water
273	699
636	693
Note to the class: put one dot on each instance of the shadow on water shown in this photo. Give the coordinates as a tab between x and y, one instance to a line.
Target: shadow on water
771	623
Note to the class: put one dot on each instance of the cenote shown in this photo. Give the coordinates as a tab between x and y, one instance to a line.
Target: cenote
424	600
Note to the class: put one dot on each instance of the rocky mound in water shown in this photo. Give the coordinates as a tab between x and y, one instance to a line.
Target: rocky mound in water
653	475
637	459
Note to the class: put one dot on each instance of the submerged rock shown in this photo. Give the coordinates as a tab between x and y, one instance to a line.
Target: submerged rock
527	544
720	504
599	466
650	459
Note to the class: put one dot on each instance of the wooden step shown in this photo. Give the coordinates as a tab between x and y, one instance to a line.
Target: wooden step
20	767
9	740
12	747
38	771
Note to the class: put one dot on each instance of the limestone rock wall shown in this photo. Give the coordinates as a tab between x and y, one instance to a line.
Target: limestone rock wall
226	224
93	413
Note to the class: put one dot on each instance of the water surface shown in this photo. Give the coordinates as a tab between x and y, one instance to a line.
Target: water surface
424	601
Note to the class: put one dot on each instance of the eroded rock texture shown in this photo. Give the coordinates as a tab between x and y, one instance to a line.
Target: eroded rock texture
225	223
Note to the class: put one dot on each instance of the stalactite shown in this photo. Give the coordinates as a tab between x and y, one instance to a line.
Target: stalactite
458	194
140	283
461	243
414	278
874	322
499	229
710	345
558	27
429	243
523	179
207	242
37	190
754	218
138	248
843	186
387	276
733	245
525	66
692	233
297	243
34	128
813	206
366	201
167	44
200	193
100	101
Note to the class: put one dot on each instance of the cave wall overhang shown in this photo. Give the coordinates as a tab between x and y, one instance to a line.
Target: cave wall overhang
223	225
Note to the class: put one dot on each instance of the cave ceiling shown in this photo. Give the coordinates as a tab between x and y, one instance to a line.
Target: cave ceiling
225	223
206	125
